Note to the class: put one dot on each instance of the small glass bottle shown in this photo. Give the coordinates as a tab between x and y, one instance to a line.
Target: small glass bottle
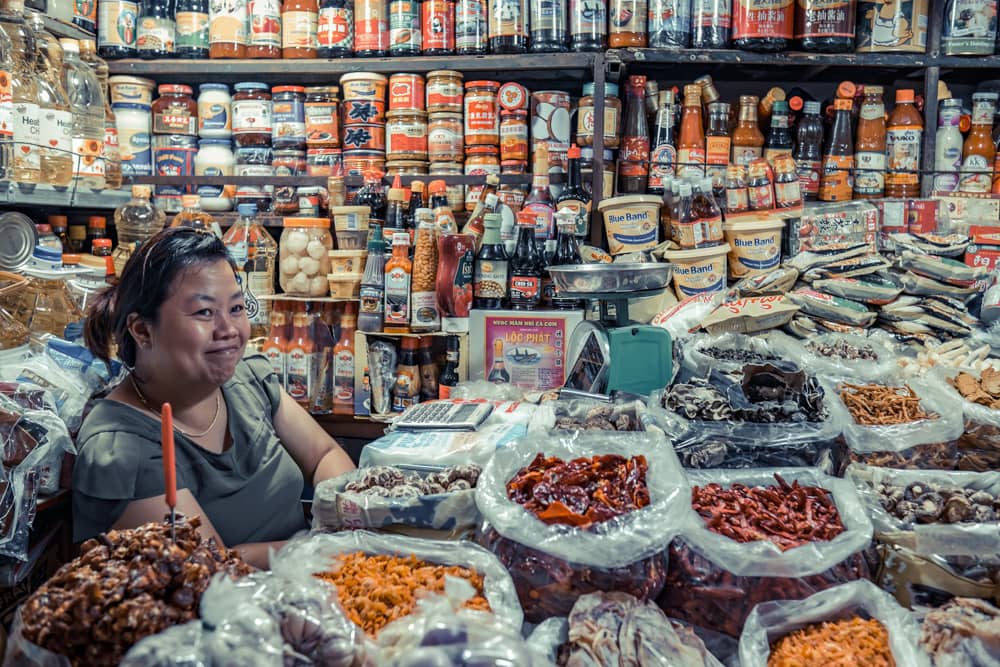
904	134
808	151
472	29
633	165
779	139
567	254
948	146
737	197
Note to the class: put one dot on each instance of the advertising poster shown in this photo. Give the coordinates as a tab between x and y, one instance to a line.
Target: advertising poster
526	350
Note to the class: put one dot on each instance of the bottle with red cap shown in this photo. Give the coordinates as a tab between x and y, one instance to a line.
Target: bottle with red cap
444	217
574	197
904	136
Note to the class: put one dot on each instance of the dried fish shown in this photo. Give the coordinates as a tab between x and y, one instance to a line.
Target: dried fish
921	285
832	308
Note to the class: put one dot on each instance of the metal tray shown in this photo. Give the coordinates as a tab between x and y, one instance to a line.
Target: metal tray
622	278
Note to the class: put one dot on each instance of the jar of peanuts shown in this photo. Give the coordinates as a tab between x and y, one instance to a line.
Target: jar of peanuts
425	260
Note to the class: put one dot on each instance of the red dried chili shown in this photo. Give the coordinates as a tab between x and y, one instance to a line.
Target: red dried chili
583	491
789	515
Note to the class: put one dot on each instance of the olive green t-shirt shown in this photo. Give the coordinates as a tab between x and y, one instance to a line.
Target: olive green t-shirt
251	492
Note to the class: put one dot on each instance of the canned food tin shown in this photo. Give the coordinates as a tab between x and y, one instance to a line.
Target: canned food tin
17	240
323	161
369	137
444	91
363	85
363	111
970	28
358	163
406	135
406	91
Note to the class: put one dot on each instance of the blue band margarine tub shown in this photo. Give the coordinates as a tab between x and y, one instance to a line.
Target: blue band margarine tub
698	271
632	222
755	246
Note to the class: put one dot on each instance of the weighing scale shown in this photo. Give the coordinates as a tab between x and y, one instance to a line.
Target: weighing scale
613	354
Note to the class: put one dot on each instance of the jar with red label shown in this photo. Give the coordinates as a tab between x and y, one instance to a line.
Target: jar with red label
288	163
406	135
763	25
406	168
371	27
322	117
438	24
367	137
252	114
363	111
299	22
359	163
445	137
444	91
479	161
482	120
612	116
406	91
175	111
335	32
513	135
513	96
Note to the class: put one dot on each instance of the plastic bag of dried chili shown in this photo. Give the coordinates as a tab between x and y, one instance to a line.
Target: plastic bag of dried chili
771	621
553	563
728	559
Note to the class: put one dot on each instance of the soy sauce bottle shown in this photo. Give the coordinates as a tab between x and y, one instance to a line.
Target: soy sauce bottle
759	25
825	30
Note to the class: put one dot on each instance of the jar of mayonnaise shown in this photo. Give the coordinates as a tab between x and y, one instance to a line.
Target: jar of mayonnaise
215	158
215	118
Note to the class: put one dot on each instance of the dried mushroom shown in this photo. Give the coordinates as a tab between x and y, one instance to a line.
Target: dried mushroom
937	503
390	482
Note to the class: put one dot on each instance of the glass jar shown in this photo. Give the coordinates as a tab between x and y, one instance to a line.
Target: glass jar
371	28
508	26
438	25
482	120
288	162
335	33
312	201
288	115
406	168
215	158
192	29
252	114
304	256
406	135
299	23
513	135
264	35
587	171
173	155
445	137
322	117
255	161
228	34
359	163
479	161
472	30
323	161
214	111
627	24
456	191
444	91
405	35
612	116
175	111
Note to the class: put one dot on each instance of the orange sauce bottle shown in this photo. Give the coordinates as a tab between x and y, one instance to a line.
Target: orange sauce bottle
903	145
276	345
748	140
300	361
691	147
398	274
343	362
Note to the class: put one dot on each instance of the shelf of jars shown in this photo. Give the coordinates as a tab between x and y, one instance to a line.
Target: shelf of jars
563	67
45	195
784	59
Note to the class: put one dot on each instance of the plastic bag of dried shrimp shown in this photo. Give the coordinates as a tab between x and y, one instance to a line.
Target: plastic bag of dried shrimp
870	629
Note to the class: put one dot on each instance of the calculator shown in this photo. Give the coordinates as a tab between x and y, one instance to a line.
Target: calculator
443	415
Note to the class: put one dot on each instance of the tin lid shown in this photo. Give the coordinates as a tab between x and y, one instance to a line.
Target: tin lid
174	89
495	85
610	89
288	89
445	73
362	76
251	85
17	240
213	86
513	96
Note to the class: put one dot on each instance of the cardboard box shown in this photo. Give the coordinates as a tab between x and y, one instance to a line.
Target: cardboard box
362	386
892	214
528	348
971	208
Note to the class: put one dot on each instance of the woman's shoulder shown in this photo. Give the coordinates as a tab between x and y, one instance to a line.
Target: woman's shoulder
255	375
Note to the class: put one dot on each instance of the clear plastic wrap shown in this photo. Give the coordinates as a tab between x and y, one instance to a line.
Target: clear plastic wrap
317	553
681	319
34	439
732	351
724	445
963	632
771	621
552	565
439	448
979	445
594	415
336	507
884	365
442	632
714	581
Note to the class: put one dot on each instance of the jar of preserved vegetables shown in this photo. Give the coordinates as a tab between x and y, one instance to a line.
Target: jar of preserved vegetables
627	24
509	26
406	135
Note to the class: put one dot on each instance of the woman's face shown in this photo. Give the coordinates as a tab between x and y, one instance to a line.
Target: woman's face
202	328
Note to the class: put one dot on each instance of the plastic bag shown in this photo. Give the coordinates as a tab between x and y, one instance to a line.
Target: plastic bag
552	565
683	318
595	415
22	653
317	553
736	447
898	438
18	501
979	445
771	621
442	632
810	354
730	352
34	439
962	633
714	581
439	449
336	508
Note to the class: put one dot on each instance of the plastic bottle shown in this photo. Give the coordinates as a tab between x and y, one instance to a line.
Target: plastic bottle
398	275
836	183
6	106
808	150
903	145
948	146
56	150
85	98
691	145
275	348
373	285
300	367
111	154
979	153
135	222
26	136
254	251
343	363
869	146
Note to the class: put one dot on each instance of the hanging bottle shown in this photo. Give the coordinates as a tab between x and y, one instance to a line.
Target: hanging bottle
26	132
633	162
663	157
903	145
779	139
979	153
116	28
808	150
588	25
748	140
948	146
836	183
711	24
691	145
84	90
869	146
763	25
56	150
669	24
548	25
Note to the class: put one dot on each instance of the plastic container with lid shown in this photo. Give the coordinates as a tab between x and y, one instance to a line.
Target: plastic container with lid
612	116
175	111
406	135
445	137
304	256
755	246
698	271
131	90
251	113
214	111
322	117
632	222
288	115
363	85
215	158
482	118
134	123
444	91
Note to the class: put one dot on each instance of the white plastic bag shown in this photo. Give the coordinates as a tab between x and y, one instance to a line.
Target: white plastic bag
52	443
770	621
884	367
438	448
770	346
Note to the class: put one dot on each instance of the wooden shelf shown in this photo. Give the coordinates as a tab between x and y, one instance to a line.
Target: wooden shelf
64	29
786	59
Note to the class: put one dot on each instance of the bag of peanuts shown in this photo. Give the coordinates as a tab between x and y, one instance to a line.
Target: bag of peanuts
906	425
761	535
855	624
561	542
978	392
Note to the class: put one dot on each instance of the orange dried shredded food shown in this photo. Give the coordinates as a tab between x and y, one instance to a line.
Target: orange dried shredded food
879	405
376	590
848	643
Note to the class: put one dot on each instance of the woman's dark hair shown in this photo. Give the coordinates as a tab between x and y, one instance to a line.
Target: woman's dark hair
144	285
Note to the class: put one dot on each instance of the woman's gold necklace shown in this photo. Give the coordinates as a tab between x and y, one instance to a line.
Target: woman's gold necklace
215	419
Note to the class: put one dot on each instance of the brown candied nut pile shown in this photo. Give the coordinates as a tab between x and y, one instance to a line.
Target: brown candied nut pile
124	586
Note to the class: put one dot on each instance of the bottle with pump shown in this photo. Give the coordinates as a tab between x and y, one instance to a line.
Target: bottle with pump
84	90
373	285
979	153
567	254
343	363
111	154
903	145
691	145
490	272
254	251
56	147
948	146
448	379
808	151
26	167
837	180
539	204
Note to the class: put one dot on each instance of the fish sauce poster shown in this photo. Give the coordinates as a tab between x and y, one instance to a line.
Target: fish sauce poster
526	351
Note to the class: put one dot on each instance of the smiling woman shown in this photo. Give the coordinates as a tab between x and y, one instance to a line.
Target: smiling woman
244	447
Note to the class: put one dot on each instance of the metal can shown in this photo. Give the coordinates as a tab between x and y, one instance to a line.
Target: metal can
970	28
323	161
445	137
173	155
444	91
406	135
895	27
370	137
406	91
